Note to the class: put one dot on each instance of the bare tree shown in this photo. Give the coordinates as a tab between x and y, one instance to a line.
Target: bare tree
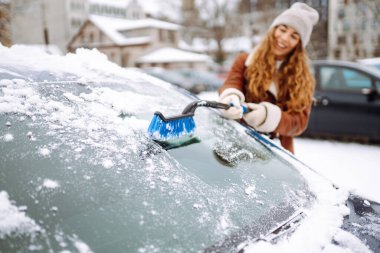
219	17
208	19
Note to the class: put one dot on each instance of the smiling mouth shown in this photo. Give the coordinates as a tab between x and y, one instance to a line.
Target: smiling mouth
280	45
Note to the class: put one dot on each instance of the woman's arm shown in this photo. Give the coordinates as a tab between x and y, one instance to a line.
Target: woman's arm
235	78
293	124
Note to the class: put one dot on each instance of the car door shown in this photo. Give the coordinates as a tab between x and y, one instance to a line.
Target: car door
347	103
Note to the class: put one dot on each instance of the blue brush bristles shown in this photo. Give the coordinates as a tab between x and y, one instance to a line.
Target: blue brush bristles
183	125
162	130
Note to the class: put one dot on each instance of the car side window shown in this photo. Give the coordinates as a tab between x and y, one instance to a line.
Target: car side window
338	78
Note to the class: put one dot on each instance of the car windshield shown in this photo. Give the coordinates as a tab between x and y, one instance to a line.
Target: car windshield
78	171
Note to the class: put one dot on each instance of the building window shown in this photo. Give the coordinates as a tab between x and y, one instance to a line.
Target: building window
91	38
341	39
341	13
355	38
172	36
75	23
337	53
357	52
161	35
125	59
346	25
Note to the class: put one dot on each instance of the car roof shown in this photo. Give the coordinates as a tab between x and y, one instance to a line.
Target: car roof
350	64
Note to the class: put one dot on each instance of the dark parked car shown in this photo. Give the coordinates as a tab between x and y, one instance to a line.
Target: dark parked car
176	78
195	81
78	172
347	101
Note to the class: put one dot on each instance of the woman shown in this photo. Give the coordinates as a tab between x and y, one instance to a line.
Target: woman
274	80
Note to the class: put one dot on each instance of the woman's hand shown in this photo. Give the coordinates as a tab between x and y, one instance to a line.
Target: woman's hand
264	117
233	97
235	111
256	115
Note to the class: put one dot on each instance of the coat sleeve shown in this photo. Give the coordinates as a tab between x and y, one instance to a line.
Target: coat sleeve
293	124
235	78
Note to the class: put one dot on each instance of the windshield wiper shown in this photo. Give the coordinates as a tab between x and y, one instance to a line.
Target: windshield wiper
178	143
251	234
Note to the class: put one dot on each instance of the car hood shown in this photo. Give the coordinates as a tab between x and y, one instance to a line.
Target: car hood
78	170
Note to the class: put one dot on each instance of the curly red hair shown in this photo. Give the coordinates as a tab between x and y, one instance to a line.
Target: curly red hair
294	80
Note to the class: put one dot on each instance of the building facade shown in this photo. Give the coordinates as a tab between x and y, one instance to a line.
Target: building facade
354	29
46	21
56	21
347	29
261	14
135	43
117	9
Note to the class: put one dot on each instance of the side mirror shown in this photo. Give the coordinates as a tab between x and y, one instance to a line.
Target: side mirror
371	93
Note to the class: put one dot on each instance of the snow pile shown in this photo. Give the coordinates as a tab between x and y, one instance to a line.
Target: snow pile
51	184
86	65
13	220
352	166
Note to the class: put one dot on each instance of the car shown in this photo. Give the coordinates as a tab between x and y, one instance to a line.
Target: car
207	81
347	102
175	78
80	173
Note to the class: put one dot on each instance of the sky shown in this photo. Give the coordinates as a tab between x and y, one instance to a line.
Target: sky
352	167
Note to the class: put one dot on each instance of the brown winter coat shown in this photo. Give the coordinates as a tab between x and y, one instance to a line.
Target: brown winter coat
291	124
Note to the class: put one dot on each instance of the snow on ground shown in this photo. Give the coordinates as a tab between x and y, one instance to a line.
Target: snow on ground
353	166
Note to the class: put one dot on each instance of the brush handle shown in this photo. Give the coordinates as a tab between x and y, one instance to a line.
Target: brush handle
190	108
245	108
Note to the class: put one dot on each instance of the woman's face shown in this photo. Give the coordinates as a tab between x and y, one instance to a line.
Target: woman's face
285	40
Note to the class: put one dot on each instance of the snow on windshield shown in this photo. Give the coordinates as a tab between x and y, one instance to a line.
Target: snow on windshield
105	114
13	219
120	111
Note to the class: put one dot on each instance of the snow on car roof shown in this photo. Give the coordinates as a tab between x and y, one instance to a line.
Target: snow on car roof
173	55
375	60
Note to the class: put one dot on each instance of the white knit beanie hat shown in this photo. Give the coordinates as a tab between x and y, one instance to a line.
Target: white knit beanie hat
300	17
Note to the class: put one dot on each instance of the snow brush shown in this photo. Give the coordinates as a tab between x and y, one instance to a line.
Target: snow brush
163	129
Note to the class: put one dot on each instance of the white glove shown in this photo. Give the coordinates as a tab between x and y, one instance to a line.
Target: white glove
234	112
264	117
235	97
256	116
